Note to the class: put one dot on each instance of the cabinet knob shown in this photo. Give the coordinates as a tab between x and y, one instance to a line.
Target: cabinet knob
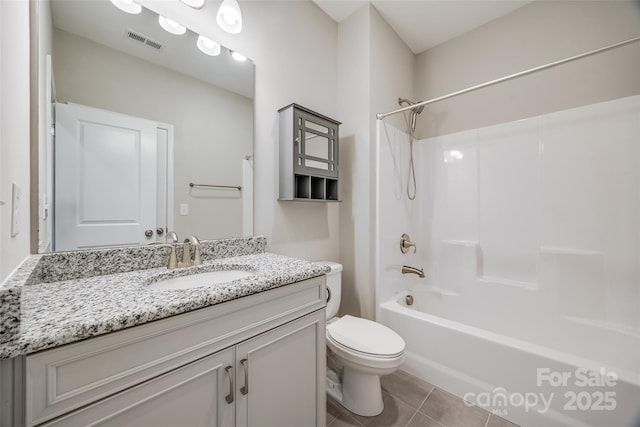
160	231
148	233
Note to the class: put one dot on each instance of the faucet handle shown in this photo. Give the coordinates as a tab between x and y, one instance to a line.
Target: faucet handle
186	254
406	243
197	257
197	254
173	258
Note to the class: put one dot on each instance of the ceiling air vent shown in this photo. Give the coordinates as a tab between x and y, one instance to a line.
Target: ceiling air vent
134	35
153	44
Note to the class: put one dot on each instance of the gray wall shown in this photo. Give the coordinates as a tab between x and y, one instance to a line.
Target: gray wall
375	68
540	32
14	130
45	47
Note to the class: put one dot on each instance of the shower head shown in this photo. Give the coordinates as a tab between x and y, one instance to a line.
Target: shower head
414	111
418	110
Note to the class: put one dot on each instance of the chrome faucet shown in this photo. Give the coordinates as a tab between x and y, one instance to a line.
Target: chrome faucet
408	269
186	252
171	237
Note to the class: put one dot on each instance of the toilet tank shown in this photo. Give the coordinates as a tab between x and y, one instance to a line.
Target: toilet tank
334	288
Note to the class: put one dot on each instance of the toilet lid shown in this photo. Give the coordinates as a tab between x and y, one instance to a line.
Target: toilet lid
365	336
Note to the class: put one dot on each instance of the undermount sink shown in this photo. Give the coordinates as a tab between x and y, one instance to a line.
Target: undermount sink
200	279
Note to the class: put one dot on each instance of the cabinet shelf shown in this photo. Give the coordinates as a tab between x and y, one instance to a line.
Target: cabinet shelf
308	156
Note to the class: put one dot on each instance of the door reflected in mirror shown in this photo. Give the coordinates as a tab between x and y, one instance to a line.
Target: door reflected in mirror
114	179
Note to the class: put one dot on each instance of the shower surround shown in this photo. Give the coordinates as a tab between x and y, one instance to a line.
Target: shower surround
529	234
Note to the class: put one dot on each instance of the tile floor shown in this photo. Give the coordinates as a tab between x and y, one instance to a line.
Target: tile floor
411	402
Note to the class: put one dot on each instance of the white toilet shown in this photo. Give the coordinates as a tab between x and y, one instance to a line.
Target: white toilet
364	349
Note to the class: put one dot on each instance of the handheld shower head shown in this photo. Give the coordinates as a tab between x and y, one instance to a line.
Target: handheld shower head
418	110
414	111
411	125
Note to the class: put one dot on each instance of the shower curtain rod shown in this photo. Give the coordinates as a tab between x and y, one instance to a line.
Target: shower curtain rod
381	116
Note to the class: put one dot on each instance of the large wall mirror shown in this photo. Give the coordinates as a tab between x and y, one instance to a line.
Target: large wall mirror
150	133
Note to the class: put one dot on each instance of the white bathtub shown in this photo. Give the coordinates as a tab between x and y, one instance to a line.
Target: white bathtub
529	383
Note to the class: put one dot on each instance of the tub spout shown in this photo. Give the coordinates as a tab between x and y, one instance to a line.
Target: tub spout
413	270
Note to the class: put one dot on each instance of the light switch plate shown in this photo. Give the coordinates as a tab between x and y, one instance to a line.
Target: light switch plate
184	209
15	210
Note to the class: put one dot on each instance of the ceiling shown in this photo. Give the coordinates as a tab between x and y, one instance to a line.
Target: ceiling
103	23
423	24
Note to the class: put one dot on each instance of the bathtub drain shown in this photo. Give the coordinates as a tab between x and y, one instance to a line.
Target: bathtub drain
408	300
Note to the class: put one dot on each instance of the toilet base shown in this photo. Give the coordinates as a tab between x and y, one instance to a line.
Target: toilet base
334	386
359	392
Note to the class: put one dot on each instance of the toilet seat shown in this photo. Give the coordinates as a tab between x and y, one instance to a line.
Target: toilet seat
365	337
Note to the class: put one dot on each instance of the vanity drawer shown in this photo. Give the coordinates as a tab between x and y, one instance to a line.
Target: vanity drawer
68	377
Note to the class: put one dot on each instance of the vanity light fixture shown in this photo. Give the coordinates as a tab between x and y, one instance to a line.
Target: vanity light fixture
229	17
171	26
208	46
128	6
196	4
238	56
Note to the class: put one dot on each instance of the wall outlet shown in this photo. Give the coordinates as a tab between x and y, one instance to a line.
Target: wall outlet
15	210
184	209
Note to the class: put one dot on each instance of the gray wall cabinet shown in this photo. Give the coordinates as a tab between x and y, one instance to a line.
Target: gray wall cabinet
308	155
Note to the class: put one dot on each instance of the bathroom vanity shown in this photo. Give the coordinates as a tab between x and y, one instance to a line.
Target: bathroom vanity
246	353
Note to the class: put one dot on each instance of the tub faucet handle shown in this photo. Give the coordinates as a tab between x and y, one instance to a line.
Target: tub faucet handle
406	243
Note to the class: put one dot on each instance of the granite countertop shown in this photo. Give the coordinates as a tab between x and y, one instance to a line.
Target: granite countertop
65	311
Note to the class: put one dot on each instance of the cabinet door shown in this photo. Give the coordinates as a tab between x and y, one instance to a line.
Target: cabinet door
316	140
197	394
281	376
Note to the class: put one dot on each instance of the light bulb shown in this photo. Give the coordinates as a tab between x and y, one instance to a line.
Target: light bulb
208	46
128	6
196	4
171	26
229	17
238	56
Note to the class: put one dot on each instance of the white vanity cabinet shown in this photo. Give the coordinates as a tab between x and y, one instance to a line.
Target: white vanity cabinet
191	395
281	387
256	361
